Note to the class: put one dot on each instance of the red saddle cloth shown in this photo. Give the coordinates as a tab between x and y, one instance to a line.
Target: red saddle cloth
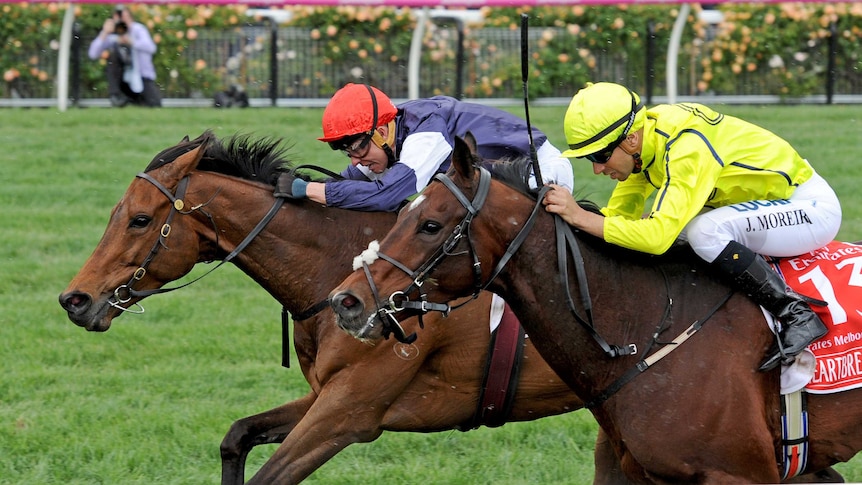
832	273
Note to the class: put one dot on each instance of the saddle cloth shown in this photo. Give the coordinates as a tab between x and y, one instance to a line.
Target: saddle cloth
832	273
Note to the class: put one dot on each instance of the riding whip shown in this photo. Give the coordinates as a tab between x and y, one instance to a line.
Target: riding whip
524	77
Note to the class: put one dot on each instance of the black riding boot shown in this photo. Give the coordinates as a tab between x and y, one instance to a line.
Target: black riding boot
752	275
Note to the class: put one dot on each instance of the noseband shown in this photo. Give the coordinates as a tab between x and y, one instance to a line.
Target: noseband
125	293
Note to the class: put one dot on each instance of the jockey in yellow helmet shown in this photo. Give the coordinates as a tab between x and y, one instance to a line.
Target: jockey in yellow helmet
734	190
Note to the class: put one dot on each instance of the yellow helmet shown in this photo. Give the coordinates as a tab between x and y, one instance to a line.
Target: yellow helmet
599	118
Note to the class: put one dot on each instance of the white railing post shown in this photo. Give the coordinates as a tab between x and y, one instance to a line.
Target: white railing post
63	58
416	55
673	51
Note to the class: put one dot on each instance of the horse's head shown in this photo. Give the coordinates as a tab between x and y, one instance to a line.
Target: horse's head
444	245
145	243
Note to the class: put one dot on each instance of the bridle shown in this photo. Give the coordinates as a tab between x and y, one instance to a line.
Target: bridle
125	293
399	300
566	244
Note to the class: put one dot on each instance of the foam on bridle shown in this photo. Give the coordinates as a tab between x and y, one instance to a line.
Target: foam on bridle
367	256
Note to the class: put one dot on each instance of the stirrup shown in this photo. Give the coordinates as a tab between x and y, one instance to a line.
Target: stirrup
808	299
775	358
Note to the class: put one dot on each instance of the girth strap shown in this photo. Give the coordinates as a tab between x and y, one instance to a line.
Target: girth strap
794	433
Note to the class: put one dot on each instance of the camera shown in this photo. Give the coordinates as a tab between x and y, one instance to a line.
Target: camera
121	28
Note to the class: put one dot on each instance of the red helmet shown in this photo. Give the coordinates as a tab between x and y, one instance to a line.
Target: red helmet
352	111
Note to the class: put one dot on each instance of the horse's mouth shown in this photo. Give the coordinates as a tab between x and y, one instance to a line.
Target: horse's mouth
95	324
371	328
93	316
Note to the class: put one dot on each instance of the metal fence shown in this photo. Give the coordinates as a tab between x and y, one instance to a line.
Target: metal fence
271	62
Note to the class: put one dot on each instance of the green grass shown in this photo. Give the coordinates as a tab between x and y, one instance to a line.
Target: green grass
150	400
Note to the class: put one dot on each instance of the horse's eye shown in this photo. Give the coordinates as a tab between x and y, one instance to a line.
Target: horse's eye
431	227
140	221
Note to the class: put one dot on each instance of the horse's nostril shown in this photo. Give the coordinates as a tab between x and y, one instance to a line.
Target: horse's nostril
74	301
348	301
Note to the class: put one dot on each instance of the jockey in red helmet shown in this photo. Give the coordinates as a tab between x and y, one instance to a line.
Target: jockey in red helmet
395	151
350	119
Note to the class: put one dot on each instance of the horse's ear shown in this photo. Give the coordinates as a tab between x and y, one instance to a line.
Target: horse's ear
471	142
185	139
186	162
462	158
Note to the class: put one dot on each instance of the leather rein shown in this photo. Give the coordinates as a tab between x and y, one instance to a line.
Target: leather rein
125	293
399	300
566	244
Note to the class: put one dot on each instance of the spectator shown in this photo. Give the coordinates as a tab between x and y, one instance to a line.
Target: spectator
129	70
394	151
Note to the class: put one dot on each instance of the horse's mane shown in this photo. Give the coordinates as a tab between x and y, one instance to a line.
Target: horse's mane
513	172
241	156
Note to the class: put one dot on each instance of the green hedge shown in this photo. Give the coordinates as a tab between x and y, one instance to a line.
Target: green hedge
759	49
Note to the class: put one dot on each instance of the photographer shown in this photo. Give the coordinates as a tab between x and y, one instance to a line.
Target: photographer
129	52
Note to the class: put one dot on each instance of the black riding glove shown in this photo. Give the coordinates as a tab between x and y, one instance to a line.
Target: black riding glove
290	186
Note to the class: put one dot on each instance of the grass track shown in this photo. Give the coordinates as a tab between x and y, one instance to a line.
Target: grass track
149	401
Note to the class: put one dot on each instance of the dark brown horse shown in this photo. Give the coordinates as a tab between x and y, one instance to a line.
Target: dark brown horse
357	390
700	414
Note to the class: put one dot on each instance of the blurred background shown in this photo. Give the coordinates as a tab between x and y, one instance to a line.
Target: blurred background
728	52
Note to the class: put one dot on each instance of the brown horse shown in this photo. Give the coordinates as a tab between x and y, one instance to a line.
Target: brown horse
407	394
357	390
693	411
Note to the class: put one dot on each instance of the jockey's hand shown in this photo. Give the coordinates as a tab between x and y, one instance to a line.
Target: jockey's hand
558	200
290	187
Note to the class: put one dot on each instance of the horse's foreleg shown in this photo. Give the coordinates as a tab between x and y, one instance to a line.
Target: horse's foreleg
337	418
271	426
607	463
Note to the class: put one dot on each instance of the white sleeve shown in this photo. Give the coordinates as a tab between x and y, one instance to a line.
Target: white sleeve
555	167
424	152
367	172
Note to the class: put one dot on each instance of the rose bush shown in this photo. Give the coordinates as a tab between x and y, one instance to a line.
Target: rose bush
778	49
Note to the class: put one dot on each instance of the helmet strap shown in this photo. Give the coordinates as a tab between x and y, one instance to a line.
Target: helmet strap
636	156
639	164
386	144
375	135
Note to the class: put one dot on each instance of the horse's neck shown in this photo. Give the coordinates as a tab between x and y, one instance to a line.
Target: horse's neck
533	276
630	296
303	252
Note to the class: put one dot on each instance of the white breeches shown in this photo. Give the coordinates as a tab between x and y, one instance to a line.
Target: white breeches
809	220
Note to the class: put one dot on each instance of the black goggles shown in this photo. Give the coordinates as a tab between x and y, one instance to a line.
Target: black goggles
352	146
603	155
